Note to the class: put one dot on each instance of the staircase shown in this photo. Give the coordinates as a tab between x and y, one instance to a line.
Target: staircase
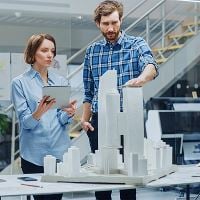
163	26
180	61
170	35
175	42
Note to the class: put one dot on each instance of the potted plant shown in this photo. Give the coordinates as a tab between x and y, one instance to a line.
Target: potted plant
4	126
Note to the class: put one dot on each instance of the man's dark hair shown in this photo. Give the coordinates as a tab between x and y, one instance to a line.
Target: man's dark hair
106	8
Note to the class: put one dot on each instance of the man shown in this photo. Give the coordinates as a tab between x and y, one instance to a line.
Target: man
129	55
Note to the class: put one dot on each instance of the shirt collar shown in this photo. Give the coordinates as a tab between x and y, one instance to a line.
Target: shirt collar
51	77
33	73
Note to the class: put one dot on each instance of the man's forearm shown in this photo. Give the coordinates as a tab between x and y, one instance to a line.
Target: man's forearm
149	73
86	112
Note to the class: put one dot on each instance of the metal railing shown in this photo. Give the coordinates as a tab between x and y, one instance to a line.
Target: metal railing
168	21
138	6
78	53
14	137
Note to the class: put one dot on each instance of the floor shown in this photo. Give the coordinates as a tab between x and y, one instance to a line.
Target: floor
142	194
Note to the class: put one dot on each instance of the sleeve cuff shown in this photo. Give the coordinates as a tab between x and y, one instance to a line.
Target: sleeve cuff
65	119
87	101
30	122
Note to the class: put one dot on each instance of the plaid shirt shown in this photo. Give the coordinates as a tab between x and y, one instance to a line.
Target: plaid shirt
129	56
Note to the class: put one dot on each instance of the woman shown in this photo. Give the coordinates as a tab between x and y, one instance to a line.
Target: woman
42	130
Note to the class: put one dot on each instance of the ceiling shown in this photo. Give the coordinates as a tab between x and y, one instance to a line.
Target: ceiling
41	13
21	18
48	21
72	25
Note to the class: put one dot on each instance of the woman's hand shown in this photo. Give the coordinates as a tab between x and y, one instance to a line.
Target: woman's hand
71	108
44	105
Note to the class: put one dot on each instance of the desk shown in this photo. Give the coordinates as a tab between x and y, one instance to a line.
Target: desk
185	175
12	186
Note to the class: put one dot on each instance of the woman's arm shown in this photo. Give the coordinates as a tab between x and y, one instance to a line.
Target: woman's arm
28	119
65	115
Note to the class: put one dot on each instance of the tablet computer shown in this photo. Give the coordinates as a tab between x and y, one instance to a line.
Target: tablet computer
60	93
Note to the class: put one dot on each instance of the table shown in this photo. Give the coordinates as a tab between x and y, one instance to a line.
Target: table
11	186
185	175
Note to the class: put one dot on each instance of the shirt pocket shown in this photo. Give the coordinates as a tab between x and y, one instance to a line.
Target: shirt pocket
129	68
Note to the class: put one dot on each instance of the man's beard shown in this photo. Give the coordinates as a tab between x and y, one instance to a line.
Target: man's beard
111	36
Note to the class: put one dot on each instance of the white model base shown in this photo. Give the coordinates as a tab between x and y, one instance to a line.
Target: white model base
90	177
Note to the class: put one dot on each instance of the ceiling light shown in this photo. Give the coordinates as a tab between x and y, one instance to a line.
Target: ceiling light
18	14
191	1
79	17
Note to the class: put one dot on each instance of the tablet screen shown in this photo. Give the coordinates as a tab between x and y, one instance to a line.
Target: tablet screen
60	93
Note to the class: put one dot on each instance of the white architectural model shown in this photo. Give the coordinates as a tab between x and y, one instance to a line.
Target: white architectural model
144	160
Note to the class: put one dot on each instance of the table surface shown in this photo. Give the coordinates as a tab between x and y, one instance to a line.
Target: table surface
185	175
11	186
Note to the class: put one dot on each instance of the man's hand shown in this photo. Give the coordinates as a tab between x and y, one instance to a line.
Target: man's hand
147	75
135	82
87	126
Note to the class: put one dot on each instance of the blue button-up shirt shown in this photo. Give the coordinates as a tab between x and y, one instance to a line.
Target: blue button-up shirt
128	56
47	135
